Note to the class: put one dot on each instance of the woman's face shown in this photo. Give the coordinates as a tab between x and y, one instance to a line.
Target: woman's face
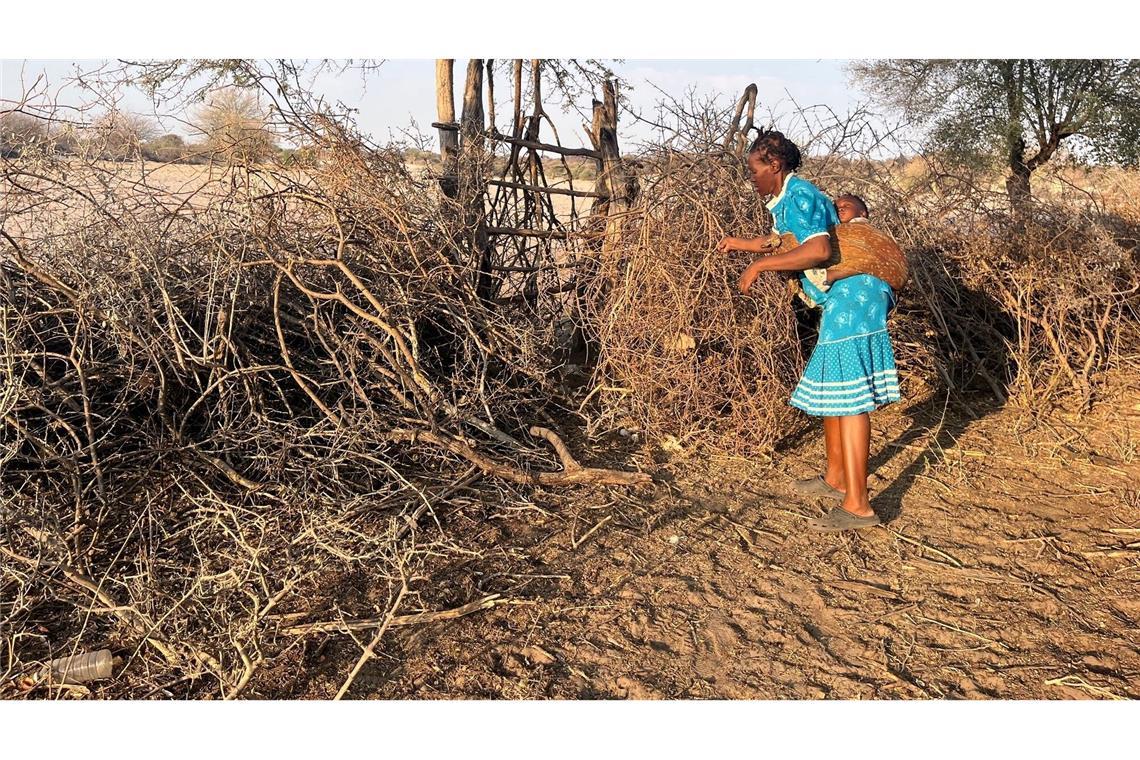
765	173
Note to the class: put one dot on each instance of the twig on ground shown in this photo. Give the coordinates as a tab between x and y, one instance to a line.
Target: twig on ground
369	651
925	547
484	603
1076	682
576	542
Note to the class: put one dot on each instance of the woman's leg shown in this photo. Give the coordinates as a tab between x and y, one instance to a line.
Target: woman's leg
833	442
855	432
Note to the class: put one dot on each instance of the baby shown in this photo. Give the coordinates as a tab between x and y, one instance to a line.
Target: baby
851	208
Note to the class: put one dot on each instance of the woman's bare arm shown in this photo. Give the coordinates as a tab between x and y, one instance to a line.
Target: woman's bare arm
748	245
808	255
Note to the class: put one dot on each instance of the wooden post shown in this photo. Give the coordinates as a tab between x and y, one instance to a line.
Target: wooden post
536	78
516	128
491	128
471	123
448	130
473	185
613	180
615	191
736	139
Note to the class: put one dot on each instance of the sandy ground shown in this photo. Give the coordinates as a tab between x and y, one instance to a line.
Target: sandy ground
1008	568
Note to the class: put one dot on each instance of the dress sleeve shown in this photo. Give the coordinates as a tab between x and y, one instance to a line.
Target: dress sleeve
810	212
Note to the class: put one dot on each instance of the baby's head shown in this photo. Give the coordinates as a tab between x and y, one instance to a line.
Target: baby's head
851	207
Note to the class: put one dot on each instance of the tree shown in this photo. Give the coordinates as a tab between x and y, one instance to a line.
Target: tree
236	125
1019	110
119	135
169	147
19	132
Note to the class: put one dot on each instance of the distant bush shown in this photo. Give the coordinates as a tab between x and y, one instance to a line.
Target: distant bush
415	156
580	168
305	157
119	136
236	127
20	132
167	149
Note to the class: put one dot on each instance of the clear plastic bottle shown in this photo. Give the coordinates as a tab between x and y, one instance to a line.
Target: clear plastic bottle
81	668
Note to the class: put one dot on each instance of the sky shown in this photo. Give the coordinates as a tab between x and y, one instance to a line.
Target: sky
791	53
401	91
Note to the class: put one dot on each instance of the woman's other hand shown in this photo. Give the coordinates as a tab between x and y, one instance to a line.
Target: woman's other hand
749	277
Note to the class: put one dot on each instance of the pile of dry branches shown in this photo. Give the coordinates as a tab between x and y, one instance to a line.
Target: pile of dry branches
233	404
681	352
1036	309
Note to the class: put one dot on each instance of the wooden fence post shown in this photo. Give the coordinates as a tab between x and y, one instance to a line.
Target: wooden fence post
448	129
613	180
472	183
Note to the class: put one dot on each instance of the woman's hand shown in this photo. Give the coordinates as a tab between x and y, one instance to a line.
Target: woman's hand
749	277
750	245
728	244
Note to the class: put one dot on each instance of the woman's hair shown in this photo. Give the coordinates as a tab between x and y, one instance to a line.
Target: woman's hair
773	144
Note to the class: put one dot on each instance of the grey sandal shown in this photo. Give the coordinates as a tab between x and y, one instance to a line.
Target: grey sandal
817	486
839	519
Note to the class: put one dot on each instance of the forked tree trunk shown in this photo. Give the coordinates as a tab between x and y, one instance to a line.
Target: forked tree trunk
1017	184
616	190
619	187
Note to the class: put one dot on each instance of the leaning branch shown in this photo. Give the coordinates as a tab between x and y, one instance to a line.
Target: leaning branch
572	474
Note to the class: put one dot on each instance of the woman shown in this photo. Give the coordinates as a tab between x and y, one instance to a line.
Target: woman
852	369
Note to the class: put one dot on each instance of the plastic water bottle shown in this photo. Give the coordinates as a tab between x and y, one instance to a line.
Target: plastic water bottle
80	668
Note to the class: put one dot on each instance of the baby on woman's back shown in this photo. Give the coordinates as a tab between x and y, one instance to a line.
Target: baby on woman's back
851	208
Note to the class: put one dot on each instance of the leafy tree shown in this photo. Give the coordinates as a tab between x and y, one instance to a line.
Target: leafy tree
1018	110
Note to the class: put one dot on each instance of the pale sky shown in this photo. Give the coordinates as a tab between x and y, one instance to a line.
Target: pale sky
402	90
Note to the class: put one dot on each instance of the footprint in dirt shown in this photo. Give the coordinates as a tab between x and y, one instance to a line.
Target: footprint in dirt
720	638
629	688
641	632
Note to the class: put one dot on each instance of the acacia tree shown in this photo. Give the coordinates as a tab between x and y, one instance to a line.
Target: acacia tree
236	125
1018	110
119	135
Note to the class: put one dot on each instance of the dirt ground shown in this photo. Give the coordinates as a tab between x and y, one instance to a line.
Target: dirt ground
1008	568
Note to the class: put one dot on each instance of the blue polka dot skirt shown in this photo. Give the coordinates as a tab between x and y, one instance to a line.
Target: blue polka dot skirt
852	369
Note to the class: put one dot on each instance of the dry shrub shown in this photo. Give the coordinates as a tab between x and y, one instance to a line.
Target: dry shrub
226	410
1071	291
681	352
1032	310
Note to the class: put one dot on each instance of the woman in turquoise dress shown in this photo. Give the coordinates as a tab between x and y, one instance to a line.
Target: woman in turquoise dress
851	372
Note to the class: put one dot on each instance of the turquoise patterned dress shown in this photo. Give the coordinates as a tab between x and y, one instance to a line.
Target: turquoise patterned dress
852	369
